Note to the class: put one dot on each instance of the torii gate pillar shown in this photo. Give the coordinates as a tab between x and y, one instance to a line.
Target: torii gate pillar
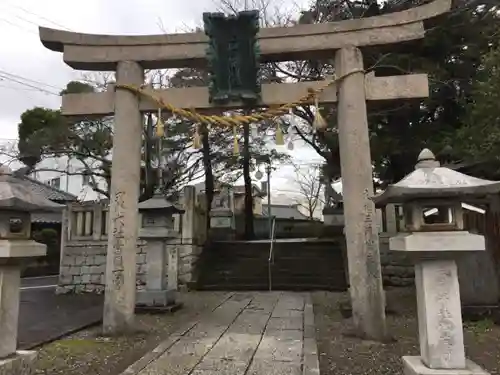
119	303
367	294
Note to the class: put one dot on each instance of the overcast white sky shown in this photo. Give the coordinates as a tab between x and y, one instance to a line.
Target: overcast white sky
23	54
26	60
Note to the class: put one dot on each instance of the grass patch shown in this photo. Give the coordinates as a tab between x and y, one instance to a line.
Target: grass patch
480	327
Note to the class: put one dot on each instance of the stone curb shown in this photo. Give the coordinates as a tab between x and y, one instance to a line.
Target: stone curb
310	360
150	357
142	363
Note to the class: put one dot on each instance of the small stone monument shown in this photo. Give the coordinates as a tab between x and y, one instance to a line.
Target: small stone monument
16	204
432	199
222	221
158	228
333	213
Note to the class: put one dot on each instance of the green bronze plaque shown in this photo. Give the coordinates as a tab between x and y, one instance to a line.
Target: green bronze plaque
233	57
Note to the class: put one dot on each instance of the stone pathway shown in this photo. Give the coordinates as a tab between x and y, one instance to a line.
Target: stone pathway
248	334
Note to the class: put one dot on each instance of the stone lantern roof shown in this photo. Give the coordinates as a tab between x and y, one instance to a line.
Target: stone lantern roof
431	181
16	196
158	202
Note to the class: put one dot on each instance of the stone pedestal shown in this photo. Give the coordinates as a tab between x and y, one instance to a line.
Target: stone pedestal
156	298
413	365
16	247
222	224
12	253
333	217
161	228
439	314
155	294
438	300
10	282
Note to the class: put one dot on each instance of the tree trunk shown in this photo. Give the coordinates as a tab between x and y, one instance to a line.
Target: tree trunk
209	176
249	230
311	213
149	179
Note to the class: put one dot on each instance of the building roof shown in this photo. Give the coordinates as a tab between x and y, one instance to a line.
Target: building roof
238	189
283	211
200	187
45	190
15	194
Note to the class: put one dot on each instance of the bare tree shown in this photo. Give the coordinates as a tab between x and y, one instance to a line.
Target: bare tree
309	189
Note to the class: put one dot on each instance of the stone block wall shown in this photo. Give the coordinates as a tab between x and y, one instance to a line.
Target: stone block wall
83	267
188	258
397	269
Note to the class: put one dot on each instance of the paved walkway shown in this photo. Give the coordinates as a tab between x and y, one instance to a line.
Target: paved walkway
248	334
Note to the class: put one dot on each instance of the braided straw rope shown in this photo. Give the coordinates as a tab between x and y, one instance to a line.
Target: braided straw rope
236	120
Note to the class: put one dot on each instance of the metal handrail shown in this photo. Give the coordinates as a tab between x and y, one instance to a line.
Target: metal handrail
270	260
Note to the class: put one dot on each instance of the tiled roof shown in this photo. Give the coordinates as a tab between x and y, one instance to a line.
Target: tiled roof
47	191
46	217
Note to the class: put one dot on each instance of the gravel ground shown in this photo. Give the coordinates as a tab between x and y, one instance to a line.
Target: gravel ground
340	355
87	353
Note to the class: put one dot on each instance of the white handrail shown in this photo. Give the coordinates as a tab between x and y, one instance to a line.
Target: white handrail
270	259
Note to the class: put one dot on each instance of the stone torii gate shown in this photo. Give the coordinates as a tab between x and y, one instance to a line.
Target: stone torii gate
130	55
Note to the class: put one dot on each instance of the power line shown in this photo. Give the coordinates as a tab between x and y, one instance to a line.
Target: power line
17	76
28	85
25	20
18	88
18	26
38	16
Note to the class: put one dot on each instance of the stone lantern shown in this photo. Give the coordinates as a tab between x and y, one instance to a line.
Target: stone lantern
432	199
159	226
17	202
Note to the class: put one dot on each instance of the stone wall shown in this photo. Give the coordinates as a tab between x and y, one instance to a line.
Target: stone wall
188	258
397	269
83	266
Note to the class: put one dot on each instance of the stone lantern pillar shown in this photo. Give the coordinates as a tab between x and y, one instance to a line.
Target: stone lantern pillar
16	204
432	199
158	228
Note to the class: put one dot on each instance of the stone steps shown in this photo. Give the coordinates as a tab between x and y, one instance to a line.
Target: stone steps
297	266
238	284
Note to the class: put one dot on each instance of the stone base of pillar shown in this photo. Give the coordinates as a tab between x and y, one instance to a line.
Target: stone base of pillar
22	363
156	298
415	366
